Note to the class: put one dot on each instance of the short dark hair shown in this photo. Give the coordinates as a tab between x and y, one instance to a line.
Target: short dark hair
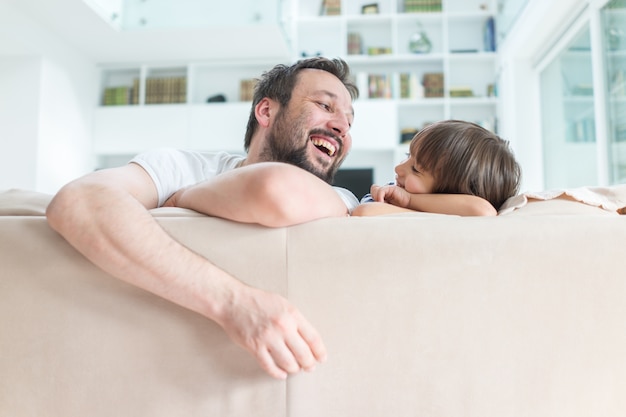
465	158
279	82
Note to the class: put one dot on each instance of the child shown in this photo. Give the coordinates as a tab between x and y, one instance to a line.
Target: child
454	167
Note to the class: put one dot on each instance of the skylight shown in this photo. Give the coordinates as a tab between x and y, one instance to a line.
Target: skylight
159	14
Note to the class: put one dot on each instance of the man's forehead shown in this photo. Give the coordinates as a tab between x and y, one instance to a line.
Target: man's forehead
310	76
314	80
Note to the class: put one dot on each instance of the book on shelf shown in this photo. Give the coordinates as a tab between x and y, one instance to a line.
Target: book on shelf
379	50
433	84
489	35
379	86
461	92
121	95
410	87
422	6
246	89
355	44
135	92
330	8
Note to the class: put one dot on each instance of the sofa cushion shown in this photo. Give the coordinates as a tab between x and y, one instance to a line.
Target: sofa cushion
16	202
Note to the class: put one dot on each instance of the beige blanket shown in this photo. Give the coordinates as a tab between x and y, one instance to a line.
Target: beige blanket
612	198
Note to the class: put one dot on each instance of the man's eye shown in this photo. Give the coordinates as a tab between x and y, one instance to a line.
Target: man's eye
324	106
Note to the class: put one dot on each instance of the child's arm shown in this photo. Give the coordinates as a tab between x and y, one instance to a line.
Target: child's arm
459	204
399	200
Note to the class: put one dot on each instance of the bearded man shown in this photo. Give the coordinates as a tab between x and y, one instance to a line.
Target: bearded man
296	139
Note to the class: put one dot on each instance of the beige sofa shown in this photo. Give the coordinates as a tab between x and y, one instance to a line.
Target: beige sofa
423	315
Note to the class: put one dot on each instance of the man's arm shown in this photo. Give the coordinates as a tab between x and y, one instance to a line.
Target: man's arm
104	216
269	193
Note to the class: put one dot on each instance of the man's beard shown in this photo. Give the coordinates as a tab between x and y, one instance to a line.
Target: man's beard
282	145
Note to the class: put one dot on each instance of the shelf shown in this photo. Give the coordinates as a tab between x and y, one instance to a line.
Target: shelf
392	59
425	102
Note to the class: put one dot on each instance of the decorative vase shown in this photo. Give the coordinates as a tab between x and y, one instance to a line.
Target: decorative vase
419	43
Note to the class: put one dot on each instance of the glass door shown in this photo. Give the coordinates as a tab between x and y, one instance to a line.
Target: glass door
614	27
568	121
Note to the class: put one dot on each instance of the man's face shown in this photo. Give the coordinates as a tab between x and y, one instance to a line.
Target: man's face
313	131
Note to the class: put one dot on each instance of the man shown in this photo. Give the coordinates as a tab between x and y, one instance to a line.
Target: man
297	137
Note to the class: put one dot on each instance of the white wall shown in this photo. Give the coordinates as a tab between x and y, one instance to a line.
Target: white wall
19	107
45	108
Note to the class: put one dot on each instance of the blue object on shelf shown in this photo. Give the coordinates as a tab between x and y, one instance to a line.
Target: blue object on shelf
489	34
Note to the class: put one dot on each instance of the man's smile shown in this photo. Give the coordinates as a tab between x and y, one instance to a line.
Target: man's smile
324	146
325	142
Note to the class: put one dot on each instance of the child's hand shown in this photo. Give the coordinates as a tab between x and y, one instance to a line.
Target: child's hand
391	194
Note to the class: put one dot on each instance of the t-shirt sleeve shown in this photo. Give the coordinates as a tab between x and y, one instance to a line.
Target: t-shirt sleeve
170	170
348	198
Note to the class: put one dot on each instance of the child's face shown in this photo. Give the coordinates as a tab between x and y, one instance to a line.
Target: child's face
412	178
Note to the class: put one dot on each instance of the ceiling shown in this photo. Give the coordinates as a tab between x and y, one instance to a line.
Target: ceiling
82	28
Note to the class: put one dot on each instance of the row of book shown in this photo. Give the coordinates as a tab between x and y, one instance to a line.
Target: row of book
422	6
158	91
166	90
409	85
120	96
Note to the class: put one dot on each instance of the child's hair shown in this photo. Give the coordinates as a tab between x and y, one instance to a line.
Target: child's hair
464	158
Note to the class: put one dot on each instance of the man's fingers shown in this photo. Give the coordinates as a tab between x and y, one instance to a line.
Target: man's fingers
298	348
284	358
312	339
268	365
301	352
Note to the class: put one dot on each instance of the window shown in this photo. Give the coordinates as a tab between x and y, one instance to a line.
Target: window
614	31
568	119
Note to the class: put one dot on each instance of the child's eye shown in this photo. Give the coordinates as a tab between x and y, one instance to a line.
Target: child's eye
415	170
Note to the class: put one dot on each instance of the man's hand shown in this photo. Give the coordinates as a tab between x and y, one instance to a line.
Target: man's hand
274	331
391	194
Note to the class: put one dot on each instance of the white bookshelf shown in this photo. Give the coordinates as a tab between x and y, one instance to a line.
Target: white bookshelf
131	128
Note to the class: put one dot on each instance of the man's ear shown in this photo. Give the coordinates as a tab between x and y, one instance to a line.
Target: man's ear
265	111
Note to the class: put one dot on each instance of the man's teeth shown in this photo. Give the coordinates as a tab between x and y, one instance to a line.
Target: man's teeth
330	149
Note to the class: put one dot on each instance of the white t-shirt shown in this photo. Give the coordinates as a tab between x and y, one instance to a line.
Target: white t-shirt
173	169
